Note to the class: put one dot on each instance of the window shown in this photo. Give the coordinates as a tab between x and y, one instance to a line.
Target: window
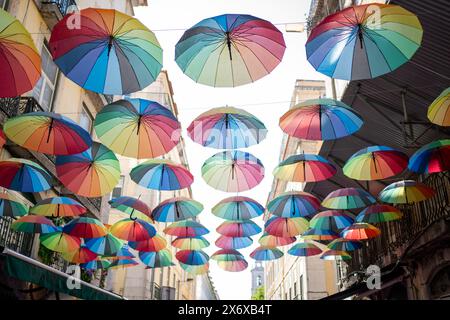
43	91
301	287
295	291
258	281
117	191
4	4
86	119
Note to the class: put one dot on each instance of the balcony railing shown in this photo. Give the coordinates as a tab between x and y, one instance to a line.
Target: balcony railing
12	107
62	5
18	241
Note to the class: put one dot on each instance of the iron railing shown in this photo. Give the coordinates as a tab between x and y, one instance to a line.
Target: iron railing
63	5
12	107
18	241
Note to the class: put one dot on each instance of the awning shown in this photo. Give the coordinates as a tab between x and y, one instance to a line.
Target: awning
27	269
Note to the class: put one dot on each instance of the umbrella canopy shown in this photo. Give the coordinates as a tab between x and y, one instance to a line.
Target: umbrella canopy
233	266
137	128
294	204
344	245
233	171
132	206
229	50
23	176
238	209
110	52
406	191
332	220
304	249
47	132
431	158
304	168
176	209
20	63
375	163
107	245
439	109
122	263
98	264
227	255
192	257
378	213
268	240
92	173
266	254
11	206
159	174
58	207
348	198
33	224
227	128
196	270
85	227
154	244
364	42
79	255
190	243
60	241
320	119
123	253
133	230
233	242
238	228
286	227
335	255
186	228
320	235
160	259
360	231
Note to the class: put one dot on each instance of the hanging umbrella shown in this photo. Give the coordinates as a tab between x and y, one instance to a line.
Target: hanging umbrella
360	231
123	253
406	191
160	259
190	243
137	128
97	264
110	52
79	255
320	119
439	109
304	168
58	207
192	257
238	229
60	241
268	240
229	50
285	227
159	174
33	224
177	209
344	245
154	244
294	204
364	42
233	266
11	206
47	132
238	209
23	176
332	220
107	245
304	249
348	198
375	163
133	230
233	171
196	270
93	173
227	128
431	158
20	63
378	213
186	228
85	227
266	254
132	206
227	255
320	235
2	138
122	263
225	242
335	255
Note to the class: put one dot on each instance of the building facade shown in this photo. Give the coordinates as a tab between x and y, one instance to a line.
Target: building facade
257	273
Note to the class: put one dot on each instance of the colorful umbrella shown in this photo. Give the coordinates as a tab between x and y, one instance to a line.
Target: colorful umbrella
11	206
233	266
154	244
344	245
132	206
439	110
123	253
304	168
406	191
304	249
122	263
60	242
177	209
335	255
364	42
360	231
227	255
47	132
268	240
378	213
133	230
375	163
294	204
332	220
348	198
192	257
85	227
285	227
23	176
320	235
190	243
431	158
20	63
97	264
58	207
137	128
160	259
227	128
79	255
196	270
266	254
238	209
93	173
320	119
225	242
186	228
159	174
238	228
110	52
107	245
34	224
229	50
233	171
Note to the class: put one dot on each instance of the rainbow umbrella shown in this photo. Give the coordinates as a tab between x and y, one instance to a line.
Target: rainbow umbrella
431	158
137	128
107	245
132	206
20	63
375	163
186	228
176	209
233	266
190	243
294	204
320	235
238	209
60	242
225	242
159	174
2	138
229	50
122	263
406	191
110	52
344	245
266	254
286	227
348	198
335	255
378	213
360	231
24	176
304	168
238	228
133	230
192	257
85	227
332	220
196	270
58	207
227	128
97	264
233	171
364	42
160	259
320	119
47	132
439	109
304	249
154	244
227	255
268	240
33	224
92	173
123	253
11	206
79	255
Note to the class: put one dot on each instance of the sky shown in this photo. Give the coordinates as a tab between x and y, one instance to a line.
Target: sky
267	99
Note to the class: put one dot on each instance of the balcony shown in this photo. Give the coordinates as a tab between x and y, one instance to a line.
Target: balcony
17	241
54	10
